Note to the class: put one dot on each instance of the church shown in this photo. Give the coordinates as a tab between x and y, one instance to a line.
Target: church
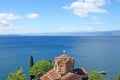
64	70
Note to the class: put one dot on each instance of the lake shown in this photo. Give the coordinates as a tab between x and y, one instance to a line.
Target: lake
92	53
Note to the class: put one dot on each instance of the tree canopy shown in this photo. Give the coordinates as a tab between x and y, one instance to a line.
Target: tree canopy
94	75
40	68
118	77
18	75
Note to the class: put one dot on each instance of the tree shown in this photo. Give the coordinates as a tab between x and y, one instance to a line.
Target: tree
31	65
40	68
31	61
94	75
118	77
49	60
18	75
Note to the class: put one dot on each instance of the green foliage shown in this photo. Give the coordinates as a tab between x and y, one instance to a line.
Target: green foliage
18	75
118	77
40	68
94	75
12	76
49	60
31	61
30	65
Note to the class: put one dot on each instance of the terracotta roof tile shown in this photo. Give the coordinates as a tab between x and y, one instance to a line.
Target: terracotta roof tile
51	74
63	57
83	69
80	71
54	74
69	74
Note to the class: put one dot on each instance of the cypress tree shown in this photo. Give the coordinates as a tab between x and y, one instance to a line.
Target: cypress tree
30	66
50	61
31	61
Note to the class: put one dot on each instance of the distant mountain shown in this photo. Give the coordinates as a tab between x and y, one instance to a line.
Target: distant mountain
97	33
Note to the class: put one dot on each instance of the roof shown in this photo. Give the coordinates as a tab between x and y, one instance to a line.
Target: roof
64	58
51	74
69	74
80	71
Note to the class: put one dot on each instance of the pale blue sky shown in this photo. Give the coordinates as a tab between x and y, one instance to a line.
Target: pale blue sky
46	16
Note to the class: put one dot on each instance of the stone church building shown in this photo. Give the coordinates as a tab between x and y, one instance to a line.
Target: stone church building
64	70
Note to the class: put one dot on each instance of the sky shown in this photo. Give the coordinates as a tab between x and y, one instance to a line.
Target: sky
55	16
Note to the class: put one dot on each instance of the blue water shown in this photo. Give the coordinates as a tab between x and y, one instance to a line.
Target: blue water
92	53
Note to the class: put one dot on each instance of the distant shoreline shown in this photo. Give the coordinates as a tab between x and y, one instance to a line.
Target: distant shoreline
96	33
